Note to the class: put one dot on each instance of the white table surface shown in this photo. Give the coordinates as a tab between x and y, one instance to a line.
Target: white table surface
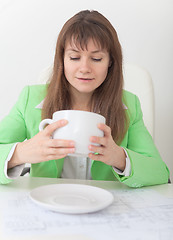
145	213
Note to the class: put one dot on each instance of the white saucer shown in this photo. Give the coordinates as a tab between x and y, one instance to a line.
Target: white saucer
72	198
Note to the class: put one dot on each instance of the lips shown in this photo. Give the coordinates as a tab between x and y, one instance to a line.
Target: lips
85	79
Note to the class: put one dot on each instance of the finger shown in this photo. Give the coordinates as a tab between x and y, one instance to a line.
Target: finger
99	140
60	151
56	143
57	153
96	157
55	157
52	127
106	129
97	149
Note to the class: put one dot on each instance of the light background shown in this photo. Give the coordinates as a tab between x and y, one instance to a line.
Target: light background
28	33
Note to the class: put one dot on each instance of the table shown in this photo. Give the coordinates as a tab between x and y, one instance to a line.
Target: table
144	213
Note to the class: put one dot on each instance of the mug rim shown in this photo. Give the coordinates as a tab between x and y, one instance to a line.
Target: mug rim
82	111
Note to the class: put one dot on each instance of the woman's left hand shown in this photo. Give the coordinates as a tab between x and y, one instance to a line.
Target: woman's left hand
108	151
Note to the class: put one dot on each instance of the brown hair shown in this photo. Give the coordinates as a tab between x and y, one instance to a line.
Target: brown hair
107	98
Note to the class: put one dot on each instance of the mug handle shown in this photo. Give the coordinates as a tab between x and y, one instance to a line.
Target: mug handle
44	122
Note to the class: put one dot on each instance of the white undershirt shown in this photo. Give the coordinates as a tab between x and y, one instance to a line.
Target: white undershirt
76	167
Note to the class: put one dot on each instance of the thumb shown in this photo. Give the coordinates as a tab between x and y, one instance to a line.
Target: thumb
53	126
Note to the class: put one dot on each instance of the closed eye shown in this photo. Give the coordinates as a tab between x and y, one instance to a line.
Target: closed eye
74	58
97	59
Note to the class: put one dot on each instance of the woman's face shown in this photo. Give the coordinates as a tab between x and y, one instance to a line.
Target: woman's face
86	69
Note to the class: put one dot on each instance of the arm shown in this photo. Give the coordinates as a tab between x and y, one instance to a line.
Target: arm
39	147
12	130
15	172
147	167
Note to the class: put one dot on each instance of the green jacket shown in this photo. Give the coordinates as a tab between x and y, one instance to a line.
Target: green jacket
147	167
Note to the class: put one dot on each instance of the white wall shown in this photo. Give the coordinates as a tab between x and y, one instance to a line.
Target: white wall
28	32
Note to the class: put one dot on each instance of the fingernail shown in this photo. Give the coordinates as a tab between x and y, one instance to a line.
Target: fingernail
92	139
90	147
72	144
72	150
63	121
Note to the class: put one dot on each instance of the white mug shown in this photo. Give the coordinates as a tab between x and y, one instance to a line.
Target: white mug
81	126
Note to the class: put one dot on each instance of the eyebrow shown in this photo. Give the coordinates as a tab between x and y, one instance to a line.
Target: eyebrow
77	51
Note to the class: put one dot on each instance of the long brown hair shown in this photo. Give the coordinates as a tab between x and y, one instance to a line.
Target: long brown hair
107	98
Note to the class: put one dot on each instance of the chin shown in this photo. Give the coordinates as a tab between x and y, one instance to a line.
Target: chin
86	91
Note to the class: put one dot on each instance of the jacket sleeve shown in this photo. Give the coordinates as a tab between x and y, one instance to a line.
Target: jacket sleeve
12	130
147	167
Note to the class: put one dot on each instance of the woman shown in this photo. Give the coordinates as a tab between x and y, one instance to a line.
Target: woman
87	75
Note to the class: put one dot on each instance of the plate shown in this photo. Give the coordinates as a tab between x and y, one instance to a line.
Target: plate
72	198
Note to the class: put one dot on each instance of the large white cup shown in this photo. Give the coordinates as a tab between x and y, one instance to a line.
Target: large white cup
81	126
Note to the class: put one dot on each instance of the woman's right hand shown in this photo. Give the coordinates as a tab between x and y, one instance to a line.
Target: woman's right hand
42	147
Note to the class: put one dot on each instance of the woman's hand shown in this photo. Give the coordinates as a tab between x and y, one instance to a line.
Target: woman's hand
42	147
108	151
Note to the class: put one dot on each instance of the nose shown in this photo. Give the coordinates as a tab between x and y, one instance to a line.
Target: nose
85	66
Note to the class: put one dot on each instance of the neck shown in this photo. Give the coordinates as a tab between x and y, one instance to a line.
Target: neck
81	105
81	102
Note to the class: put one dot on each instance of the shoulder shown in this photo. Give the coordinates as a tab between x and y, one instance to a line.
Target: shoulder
128	96
132	103
33	94
36	91
40	89
129	99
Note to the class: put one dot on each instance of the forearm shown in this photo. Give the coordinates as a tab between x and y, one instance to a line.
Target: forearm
15	159
127	170
146	170
120	159
7	175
